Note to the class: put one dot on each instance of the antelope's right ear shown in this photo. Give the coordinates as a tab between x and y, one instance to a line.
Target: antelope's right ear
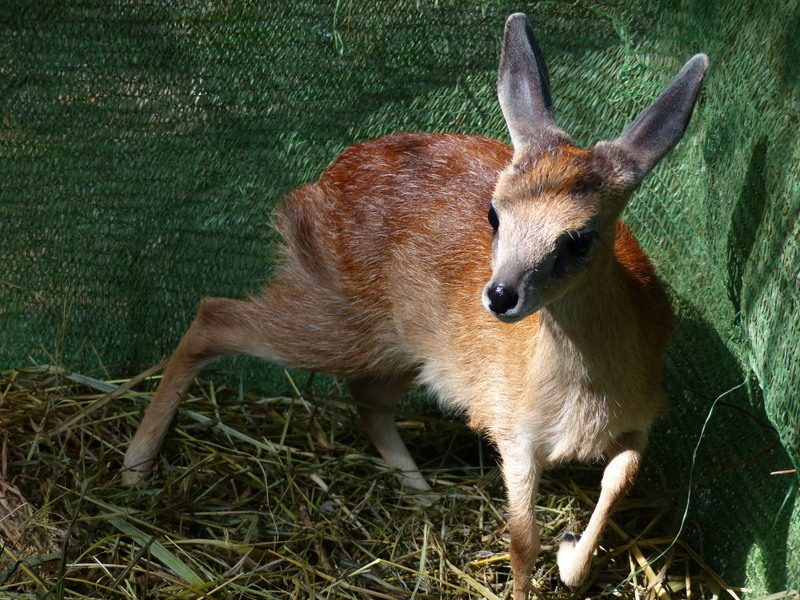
662	124
523	88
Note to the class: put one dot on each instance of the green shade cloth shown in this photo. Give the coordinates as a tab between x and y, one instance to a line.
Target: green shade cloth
144	144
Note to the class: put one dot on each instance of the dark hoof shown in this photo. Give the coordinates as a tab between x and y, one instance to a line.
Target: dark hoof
570	539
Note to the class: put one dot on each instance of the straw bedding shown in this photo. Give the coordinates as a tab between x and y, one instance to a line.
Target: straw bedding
283	497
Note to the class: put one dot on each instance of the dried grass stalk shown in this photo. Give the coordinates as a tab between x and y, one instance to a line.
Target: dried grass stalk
282	497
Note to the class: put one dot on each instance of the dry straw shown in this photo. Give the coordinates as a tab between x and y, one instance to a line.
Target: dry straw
283	497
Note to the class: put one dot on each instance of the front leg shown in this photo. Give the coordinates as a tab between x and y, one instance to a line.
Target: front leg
575	553
521	474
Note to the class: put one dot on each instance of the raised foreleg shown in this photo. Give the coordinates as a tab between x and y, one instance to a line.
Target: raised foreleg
575	553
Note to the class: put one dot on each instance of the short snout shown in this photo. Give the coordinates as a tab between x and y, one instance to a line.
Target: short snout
501	298
523	282
511	300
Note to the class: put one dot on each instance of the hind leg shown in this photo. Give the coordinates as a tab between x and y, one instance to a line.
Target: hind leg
221	327
377	399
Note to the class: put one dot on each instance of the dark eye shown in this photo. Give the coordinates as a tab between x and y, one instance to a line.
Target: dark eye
493	220
580	242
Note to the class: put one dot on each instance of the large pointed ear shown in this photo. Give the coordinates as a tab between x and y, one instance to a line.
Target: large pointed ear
662	124
523	88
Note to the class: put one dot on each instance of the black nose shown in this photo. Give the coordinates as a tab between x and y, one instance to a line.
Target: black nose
502	299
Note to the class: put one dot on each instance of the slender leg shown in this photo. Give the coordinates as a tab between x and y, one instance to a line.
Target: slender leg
377	398
521	474
221	327
575	553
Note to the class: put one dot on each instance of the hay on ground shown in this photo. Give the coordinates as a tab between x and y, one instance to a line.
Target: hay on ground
283	497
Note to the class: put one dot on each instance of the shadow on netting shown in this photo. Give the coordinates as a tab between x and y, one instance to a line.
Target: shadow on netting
718	450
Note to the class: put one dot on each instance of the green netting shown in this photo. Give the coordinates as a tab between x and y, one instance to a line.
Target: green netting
143	144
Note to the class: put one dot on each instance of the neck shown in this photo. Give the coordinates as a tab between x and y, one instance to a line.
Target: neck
592	316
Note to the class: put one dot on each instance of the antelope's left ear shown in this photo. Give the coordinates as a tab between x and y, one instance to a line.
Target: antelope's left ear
661	125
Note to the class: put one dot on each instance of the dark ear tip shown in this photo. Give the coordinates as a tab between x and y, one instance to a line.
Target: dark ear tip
516	25
699	62
515	19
